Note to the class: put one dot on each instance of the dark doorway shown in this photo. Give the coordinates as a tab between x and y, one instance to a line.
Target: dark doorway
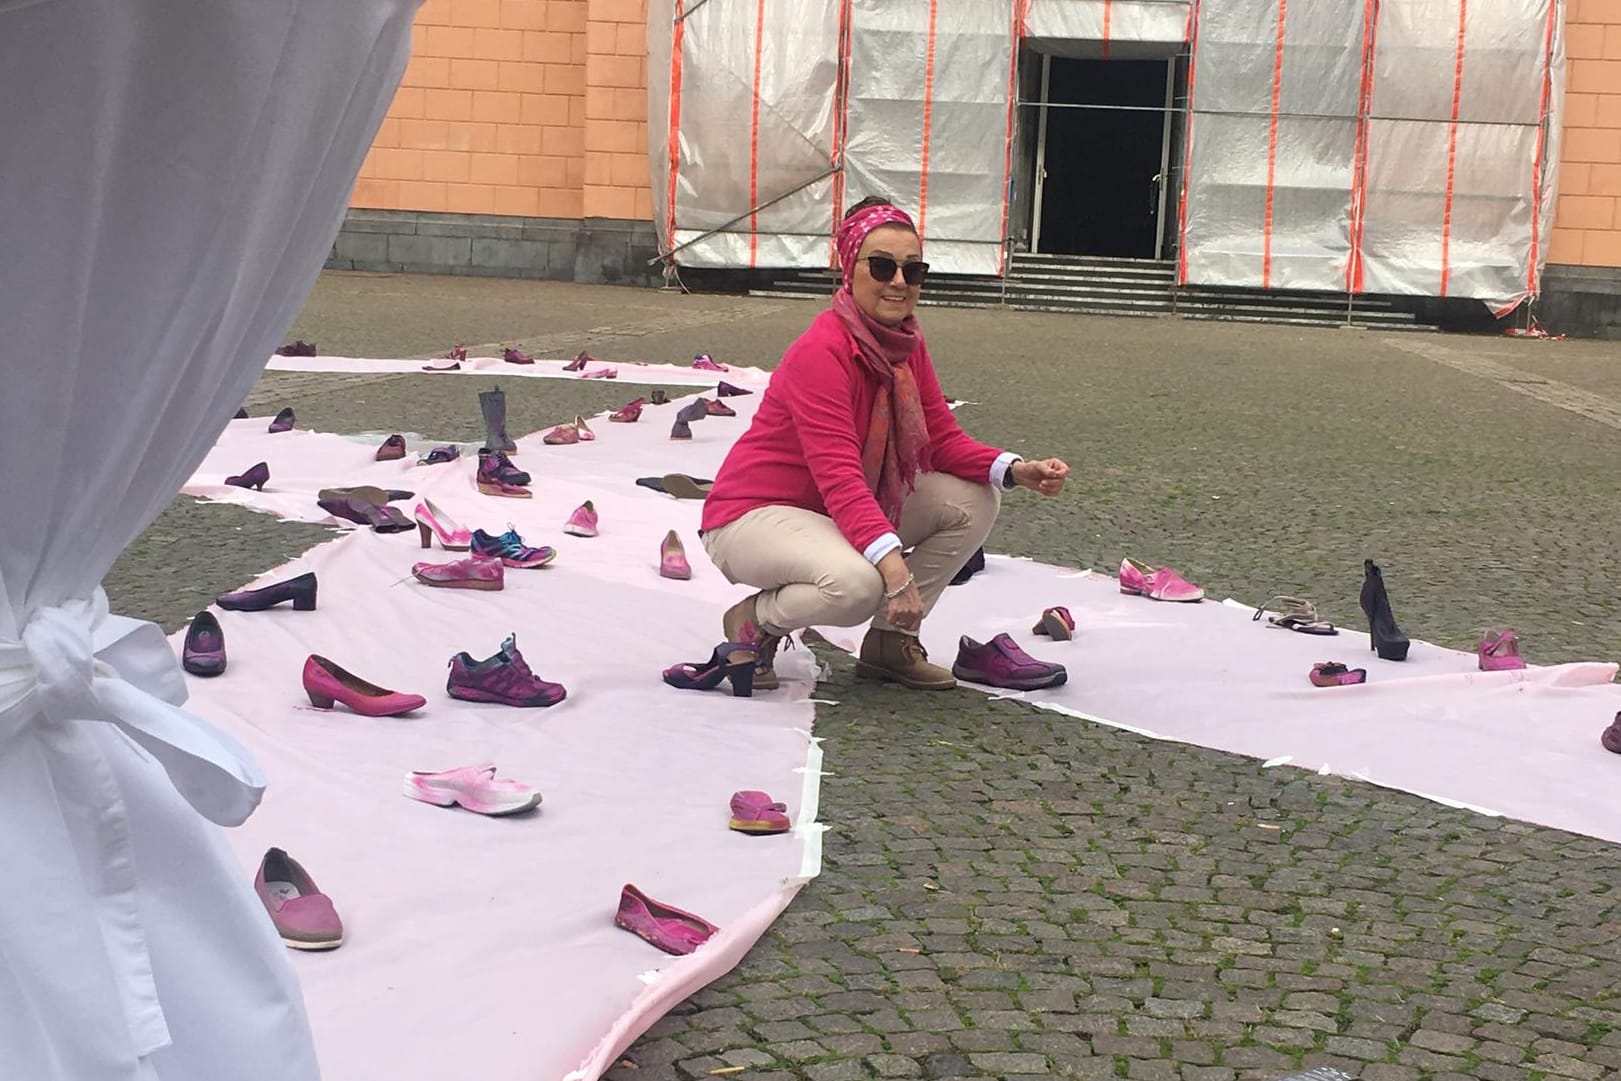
1100	196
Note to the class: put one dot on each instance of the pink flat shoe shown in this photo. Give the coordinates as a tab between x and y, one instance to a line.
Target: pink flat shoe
561	435
304	916
703	362
471	573
475	788
326	684
758	813
661	925
1500	651
601	373
673	558
1335	674
1056	623
583	522
1157	585
433	522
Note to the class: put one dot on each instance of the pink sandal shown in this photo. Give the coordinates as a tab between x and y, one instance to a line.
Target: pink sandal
1500	651
758	813
661	925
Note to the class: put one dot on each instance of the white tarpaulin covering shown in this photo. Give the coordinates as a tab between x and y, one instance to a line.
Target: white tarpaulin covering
1347	145
1108	29
174	175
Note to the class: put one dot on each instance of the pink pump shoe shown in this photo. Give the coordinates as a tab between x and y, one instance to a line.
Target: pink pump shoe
433	522
1157	585
673	558
661	925
758	813
327	684
1500	651
475	788
583	522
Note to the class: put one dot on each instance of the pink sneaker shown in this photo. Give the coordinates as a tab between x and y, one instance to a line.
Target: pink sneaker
583	522
471	573
474	787
703	362
304	916
1157	585
504	679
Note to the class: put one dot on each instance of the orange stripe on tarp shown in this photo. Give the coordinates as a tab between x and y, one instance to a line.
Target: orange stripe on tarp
1012	93
675	119
1531	282
1452	151
928	119
754	135
1108	13
1354	280
1272	149
1187	149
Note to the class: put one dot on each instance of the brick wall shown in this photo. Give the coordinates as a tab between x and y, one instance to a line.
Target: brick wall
1587	222
528	108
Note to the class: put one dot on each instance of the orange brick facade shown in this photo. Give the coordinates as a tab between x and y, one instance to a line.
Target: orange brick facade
528	108
538	108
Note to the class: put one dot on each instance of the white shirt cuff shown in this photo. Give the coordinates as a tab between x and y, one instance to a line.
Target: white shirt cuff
1000	467
881	547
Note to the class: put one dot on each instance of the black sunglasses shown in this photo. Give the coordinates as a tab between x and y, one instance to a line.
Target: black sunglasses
882	268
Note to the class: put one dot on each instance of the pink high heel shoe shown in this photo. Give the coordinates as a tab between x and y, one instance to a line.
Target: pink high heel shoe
583	430
661	925
1500	651
1163	584
326	683
673	558
433	522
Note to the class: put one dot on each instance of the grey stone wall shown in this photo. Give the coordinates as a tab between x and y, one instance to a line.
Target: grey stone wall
1581	302
595	250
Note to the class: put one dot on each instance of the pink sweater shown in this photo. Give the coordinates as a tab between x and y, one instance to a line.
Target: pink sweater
816	410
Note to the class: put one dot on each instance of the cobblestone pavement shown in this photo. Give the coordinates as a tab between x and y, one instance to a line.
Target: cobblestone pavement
1012	893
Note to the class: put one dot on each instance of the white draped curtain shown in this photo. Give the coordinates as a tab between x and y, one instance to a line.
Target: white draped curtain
172	173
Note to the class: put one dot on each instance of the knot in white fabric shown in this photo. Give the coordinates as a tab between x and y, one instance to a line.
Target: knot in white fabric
59	643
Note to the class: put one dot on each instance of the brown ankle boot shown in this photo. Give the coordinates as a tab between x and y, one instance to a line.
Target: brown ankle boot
900	658
741	615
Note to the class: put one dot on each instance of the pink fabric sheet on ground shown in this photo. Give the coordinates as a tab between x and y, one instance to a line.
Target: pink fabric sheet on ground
1521	744
488	945
628	371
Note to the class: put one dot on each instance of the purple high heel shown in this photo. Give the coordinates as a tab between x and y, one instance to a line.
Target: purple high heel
283	421
731	660
256	477
301	591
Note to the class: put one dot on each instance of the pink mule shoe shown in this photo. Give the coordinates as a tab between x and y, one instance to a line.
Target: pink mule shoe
1335	674
326	684
474	788
1056	623
471	573
758	813
661	925
583	522
433	522
304	917
1500	651
1157	585
673	558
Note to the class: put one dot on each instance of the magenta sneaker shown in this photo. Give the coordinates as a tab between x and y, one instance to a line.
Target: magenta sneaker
583	522
503	679
1001	663
303	915
475	788
510	549
470	573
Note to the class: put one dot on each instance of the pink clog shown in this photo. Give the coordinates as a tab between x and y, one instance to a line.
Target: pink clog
1157	585
757	812
304	916
664	926
475	788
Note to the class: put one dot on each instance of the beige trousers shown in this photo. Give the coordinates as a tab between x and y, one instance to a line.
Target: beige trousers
809	575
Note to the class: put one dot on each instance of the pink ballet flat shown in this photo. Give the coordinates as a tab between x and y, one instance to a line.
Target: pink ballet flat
1500	651
758	813
673	558
661	925
1163	584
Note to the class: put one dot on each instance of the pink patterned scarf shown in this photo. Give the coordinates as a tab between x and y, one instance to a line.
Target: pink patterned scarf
897	441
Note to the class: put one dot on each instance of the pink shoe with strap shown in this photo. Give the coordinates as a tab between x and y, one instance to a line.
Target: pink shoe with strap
1163	584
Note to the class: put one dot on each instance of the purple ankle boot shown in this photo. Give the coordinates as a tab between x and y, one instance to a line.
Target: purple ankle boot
1001	663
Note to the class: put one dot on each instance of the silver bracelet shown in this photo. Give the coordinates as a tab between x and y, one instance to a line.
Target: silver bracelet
904	587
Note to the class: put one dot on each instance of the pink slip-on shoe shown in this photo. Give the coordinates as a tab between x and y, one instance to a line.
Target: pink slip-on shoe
659	924
1500	651
583	522
757	813
1157	585
673	558
706	363
601	373
1056	623
433	522
1335	674
470	573
716	408
1002	663
304	916
475	788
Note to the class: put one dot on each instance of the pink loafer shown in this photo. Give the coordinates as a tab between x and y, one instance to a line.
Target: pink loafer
1163	584
304	917
661	925
475	788
757	813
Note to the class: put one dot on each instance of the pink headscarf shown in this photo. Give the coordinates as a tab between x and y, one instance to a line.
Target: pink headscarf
897	438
